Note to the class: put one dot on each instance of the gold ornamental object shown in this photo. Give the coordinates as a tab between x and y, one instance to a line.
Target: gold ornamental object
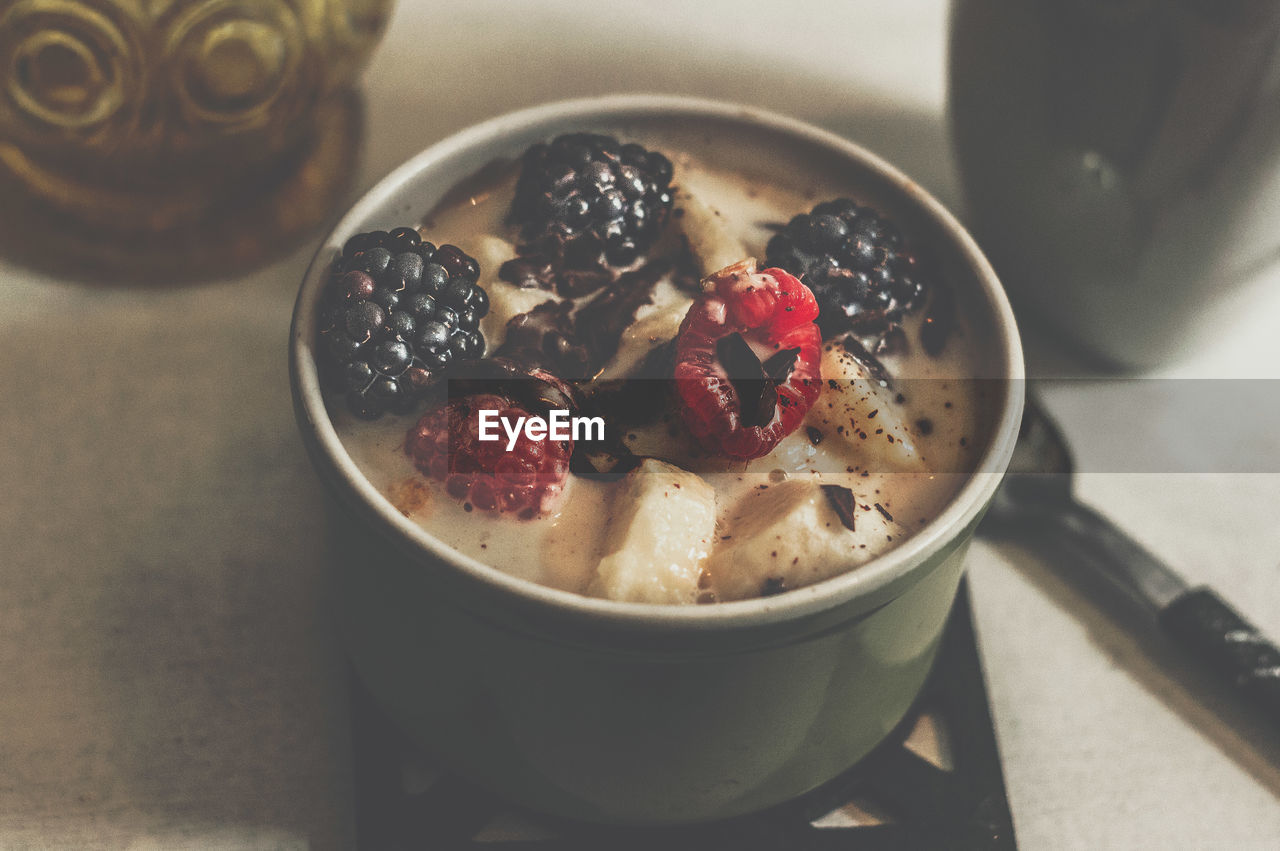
183	138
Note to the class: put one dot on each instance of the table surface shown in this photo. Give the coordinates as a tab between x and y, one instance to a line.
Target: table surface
170	680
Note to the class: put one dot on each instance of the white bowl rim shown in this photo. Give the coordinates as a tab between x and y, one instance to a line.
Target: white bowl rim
957	515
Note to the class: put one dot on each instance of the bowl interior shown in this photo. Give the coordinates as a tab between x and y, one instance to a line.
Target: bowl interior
755	143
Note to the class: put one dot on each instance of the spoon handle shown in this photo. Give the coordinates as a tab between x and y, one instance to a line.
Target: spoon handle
1090	542
1205	625
1199	620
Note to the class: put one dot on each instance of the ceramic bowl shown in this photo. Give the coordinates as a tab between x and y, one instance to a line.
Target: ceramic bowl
616	712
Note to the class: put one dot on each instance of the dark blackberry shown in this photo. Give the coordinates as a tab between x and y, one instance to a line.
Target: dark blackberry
855	262
395	313
587	201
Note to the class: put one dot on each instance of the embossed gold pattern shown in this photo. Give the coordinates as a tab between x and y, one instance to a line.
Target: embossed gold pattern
233	61
71	70
141	116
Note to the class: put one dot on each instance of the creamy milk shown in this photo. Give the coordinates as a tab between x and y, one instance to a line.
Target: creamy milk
899	483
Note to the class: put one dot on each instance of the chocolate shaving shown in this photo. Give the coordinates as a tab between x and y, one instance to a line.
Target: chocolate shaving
779	365
545	336
757	392
601	321
841	499
528	272
870	363
540	268
576	345
578	282
884	513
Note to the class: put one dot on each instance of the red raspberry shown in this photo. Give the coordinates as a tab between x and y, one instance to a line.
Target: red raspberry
773	312
527	481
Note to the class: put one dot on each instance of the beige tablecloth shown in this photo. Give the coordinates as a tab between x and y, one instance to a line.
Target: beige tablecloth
168	677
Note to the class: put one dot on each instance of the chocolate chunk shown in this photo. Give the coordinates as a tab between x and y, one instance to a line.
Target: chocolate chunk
841	499
815	435
772	585
576	345
530	273
870	363
779	365
757	392
737	357
601	321
534	269
579	282
546	337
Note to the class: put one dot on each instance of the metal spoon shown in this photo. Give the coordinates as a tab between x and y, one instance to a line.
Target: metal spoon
1035	506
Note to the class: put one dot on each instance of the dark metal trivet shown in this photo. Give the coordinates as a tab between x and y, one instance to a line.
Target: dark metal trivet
953	796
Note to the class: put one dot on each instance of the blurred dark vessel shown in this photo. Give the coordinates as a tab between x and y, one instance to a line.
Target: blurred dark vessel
1119	159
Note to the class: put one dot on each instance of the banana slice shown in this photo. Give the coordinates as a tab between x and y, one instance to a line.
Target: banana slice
713	244
860	420
789	535
657	536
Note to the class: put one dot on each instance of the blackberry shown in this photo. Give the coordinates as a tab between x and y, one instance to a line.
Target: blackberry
395	313
589	201
855	262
